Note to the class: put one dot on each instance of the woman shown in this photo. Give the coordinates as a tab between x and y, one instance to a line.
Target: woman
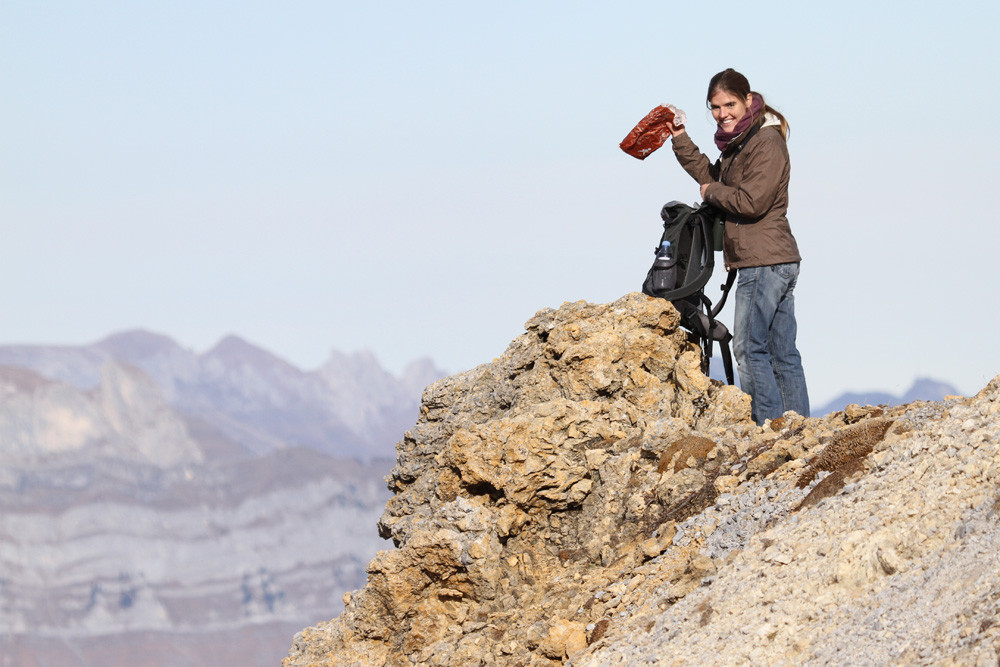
749	183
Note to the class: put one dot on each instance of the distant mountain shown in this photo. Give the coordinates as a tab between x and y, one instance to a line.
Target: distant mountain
106	561
158	506
923	389
125	417
349	407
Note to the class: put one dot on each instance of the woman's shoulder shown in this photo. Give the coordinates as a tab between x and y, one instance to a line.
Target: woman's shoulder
768	138
771	133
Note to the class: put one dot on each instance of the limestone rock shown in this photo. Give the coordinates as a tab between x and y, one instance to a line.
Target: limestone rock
524	477
590	498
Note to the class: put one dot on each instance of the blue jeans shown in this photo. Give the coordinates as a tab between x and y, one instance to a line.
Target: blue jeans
764	341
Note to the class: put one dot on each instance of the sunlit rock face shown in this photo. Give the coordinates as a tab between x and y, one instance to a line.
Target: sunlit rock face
590	498
524	473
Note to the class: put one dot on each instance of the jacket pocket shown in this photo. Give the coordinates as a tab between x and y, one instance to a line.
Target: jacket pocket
735	242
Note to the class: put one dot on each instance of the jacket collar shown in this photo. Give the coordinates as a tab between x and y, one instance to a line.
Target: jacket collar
737	144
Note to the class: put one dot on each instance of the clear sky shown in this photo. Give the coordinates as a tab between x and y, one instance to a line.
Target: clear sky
419	178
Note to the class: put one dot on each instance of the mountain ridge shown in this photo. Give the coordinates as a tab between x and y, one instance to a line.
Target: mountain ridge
350	406
158	506
922	389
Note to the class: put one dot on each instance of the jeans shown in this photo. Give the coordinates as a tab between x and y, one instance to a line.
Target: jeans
764	341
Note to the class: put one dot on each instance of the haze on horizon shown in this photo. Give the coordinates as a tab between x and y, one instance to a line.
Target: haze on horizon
419	180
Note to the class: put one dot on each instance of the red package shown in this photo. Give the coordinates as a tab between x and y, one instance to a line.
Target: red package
651	132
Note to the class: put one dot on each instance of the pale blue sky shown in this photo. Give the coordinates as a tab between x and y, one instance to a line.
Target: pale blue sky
419	178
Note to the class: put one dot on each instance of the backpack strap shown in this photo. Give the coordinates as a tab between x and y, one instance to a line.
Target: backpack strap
733	151
753	130
730	279
720	334
711	330
727	357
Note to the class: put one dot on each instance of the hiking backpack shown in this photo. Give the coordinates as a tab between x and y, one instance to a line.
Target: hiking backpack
683	266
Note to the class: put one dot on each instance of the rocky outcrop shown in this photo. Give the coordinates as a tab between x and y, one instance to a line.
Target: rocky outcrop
520	479
590	498
889	559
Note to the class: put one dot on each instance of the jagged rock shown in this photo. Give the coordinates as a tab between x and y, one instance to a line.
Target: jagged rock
897	565
591	498
526	474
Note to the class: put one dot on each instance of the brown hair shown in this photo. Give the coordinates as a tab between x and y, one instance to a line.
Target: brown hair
732	82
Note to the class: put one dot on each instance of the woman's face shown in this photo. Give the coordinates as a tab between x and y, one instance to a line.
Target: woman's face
727	109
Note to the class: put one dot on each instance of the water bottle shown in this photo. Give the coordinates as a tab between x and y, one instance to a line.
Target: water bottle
665	268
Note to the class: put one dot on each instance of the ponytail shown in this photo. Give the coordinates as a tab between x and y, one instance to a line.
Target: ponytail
777	114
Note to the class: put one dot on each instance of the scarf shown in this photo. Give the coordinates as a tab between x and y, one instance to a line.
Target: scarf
722	138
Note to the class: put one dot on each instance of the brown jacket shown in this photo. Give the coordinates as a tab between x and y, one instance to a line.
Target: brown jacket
753	192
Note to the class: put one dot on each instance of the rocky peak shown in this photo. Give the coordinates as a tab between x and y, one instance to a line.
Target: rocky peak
417	375
136	345
350	374
556	504
924	387
126	416
140	416
235	351
516	469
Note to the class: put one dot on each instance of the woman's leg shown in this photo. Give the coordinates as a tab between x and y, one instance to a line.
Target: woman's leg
757	294
785	357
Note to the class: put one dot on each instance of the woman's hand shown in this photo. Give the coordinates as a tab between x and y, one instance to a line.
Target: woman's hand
704	186
676	122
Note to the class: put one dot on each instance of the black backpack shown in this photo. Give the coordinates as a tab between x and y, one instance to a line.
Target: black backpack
680	275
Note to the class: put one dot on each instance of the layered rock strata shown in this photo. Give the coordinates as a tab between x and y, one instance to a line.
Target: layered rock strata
591	498
130	534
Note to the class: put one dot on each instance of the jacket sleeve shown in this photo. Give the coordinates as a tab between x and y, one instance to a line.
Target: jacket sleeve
763	168
693	160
